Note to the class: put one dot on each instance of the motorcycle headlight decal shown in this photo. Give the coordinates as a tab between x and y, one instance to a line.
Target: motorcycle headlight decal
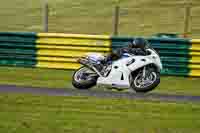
130	62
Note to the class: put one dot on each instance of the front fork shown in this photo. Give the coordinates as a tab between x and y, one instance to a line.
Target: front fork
144	72
97	71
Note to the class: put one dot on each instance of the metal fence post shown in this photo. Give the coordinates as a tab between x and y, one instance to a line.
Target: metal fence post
45	15
116	20
187	20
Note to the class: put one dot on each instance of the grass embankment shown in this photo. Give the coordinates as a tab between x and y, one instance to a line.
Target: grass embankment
38	114
51	78
137	18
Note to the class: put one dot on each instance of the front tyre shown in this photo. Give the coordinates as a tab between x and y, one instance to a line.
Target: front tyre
147	83
84	78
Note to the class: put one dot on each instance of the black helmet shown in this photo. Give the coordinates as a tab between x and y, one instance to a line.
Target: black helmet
139	43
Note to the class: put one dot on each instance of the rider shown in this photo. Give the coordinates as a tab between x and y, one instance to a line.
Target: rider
135	47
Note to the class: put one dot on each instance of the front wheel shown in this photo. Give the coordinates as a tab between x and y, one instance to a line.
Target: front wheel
144	84
84	78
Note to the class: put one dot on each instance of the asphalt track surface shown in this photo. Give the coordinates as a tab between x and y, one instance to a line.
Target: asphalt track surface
5	89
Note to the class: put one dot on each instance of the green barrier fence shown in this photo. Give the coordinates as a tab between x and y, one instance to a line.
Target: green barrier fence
174	53
49	50
180	57
18	49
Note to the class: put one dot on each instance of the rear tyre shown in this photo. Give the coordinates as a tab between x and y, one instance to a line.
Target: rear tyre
84	78
139	84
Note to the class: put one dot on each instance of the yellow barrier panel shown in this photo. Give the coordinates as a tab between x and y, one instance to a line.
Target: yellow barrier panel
62	53
194	65
58	65
56	59
84	48
195	59
195	73
62	50
63	35
195	41
74	40
195	47
195	53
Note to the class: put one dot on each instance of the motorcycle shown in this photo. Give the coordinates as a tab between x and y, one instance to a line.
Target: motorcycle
140	73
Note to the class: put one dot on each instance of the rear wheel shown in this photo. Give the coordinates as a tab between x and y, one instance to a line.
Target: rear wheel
84	78
144	84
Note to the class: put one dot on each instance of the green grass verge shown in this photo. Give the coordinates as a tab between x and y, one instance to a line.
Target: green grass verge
145	17
35	77
52	78
39	114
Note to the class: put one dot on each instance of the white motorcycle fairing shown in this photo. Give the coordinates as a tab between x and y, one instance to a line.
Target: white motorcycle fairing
119	76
